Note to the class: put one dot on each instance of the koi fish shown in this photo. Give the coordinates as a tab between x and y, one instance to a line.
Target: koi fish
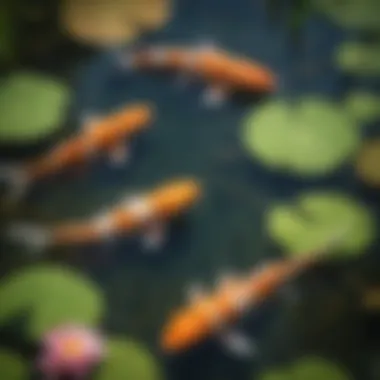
207	314
99	136
226	73
70	350
147	213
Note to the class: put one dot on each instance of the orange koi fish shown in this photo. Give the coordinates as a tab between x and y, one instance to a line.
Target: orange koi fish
103	135
225	73
212	313
148	212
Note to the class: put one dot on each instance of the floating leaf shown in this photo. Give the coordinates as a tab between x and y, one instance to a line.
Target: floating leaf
128	360
311	138
351	14
368	163
12	366
52	295
359	58
315	218
112	22
314	368
32	106
363	106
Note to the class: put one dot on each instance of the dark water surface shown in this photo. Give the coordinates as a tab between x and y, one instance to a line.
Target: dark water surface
224	232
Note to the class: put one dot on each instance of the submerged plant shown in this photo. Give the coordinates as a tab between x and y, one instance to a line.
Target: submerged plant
127	359
50	296
311	138
32	107
312	220
367	165
12	366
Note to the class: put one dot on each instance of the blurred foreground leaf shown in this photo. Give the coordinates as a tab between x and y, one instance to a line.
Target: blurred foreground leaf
128	360
52	295
368	163
315	218
311	138
360	59
12	366
32	106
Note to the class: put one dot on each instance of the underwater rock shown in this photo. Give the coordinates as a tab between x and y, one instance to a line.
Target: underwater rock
307	368
32	107
351	14
128	360
367	165
363	106
359	59
50	295
112	22
314	218
311	138
12	366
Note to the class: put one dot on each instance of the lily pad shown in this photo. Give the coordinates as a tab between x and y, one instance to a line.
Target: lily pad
359	59
275	374
52	295
351	14
12	366
32	107
311	138
368	163
316	218
128	360
313	368
363	106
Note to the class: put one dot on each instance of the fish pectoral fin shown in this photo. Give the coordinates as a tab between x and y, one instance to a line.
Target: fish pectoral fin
120	155
238	343
195	292
154	236
214	96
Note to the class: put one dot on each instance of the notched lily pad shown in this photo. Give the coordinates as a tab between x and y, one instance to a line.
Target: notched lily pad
52	295
32	107
316	218
127	359
311	138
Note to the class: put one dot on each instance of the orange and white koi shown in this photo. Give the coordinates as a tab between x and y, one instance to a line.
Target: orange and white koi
147	213
226	73
212	313
99	135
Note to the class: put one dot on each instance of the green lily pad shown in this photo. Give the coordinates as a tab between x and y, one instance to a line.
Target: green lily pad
316	218
313	368
363	106
12	366
128	360
311	138
32	107
52	295
351	14
275	374
359	59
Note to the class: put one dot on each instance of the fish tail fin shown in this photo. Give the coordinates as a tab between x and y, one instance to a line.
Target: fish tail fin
29	235
15	181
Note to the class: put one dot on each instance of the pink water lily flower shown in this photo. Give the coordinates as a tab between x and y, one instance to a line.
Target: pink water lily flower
70	350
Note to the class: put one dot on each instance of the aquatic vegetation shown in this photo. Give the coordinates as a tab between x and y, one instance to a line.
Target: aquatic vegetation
359	59
351	14
127	359
72	349
363	106
12	366
311	138
308	222
310	368
49	296
367	164
112	22
32	107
